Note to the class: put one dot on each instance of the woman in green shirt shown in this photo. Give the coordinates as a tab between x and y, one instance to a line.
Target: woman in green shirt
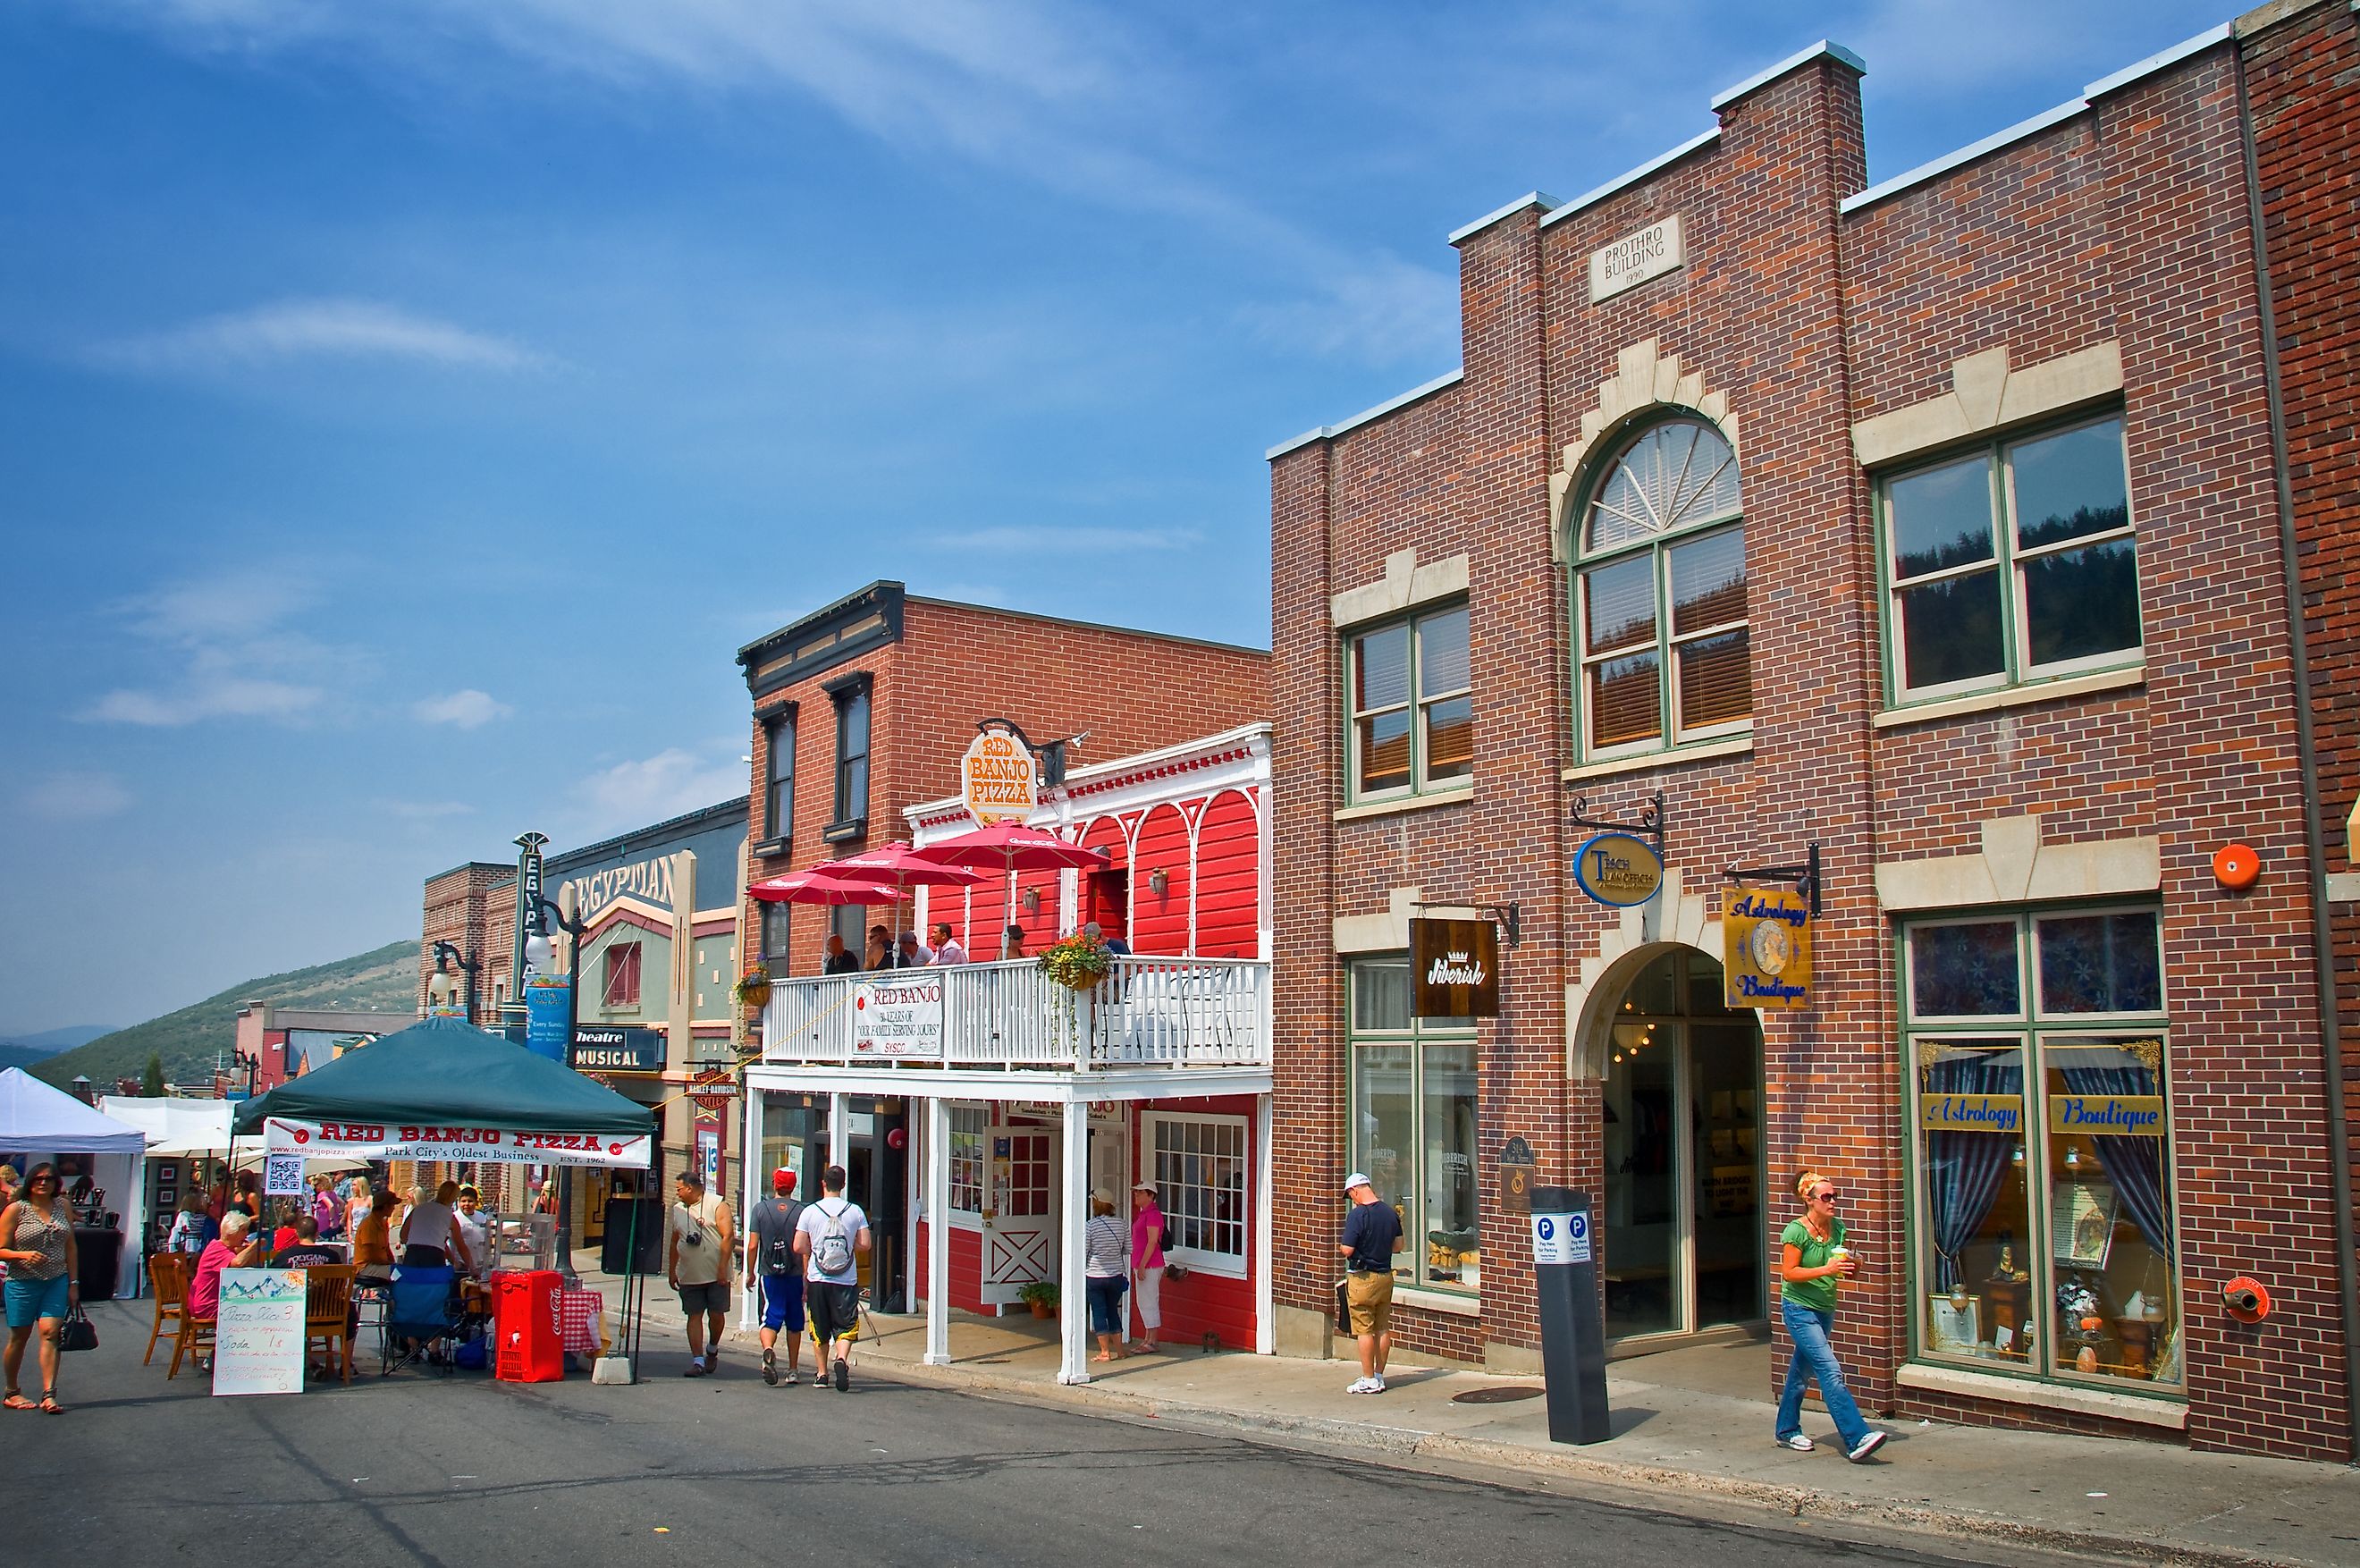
1811	1258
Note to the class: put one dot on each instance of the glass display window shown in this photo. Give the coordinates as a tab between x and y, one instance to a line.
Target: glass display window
1413	1095
2042	1206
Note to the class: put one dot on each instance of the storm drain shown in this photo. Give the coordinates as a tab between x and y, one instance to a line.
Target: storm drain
1496	1396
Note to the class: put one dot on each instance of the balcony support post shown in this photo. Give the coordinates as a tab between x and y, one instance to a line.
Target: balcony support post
1073	1307
938	1232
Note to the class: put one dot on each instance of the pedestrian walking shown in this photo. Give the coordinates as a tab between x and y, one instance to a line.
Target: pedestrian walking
1105	1247
1812	1261
1147	1262
771	1258
36	1242
830	1238
696	1261
1371	1233
327	1213
947	950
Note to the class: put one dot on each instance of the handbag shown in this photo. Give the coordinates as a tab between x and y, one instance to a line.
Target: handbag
77	1332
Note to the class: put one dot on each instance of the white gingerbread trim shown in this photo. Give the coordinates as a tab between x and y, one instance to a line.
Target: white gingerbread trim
1643	378
1673	917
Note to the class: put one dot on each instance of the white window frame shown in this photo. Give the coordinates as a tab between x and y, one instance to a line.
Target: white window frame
968	1219
1225	1265
1416	703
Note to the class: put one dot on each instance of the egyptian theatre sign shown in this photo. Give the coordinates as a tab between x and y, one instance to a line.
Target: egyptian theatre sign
998	779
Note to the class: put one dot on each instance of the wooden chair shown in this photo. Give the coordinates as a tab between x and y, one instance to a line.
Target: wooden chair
167	1276
196	1335
328	1312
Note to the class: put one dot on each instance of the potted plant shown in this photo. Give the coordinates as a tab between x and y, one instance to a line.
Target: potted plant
1076	962
753	988
1040	1296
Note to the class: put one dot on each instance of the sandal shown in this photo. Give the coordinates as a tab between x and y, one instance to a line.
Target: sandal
50	1406
16	1401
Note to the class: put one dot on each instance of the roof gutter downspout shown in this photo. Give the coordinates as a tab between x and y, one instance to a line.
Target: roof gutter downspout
2315	872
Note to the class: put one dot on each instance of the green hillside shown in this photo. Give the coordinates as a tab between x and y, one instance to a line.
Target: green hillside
385	981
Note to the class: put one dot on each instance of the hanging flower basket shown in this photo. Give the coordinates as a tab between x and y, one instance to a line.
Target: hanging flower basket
754	989
1076	962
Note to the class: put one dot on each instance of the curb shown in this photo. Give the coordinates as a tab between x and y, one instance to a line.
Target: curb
1410	1443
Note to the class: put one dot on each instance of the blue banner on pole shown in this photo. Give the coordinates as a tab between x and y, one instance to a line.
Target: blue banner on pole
546	1006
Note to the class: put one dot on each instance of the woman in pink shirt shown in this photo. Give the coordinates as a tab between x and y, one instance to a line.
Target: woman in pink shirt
1147	1261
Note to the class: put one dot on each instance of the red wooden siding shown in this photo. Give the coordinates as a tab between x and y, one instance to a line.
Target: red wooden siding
1229	879
1100	897
1159	921
966	1268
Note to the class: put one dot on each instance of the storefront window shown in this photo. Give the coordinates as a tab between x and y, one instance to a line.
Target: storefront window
966	1154
1413	709
1198	1165
2042	1179
787	1129
1413	1117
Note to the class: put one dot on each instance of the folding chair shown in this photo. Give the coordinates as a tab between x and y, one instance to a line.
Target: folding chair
329	1313
167	1276
420	1306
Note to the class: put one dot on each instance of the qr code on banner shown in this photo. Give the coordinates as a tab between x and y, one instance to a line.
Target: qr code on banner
283	1175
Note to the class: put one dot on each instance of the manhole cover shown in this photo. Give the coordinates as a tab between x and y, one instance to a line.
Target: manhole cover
1496	1395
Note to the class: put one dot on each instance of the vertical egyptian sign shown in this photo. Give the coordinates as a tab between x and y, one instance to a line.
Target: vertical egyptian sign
1455	967
999	781
1765	947
259	1331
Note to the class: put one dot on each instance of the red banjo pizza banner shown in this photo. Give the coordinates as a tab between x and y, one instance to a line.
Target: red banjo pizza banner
393	1140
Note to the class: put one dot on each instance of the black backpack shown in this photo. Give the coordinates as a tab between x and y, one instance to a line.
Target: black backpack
779	1256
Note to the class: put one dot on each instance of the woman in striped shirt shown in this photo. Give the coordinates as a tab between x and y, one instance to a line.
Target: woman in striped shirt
1108	1245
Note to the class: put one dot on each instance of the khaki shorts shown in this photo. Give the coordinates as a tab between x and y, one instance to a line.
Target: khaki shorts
1370	1297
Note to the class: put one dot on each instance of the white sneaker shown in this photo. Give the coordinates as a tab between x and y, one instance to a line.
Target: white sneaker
1798	1443
1866	1446
1376	1385
1363	1385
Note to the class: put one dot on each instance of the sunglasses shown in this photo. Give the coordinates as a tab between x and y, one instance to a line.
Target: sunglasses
1823	1197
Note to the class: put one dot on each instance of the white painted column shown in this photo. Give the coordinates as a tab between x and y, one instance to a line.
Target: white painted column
752	1184
839	1146
938	1232
1266	1302
1072	1310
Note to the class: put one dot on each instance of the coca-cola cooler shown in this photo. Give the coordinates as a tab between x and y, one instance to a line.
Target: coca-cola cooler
528	1331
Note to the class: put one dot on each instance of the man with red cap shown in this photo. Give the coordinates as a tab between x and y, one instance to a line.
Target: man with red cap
770	1257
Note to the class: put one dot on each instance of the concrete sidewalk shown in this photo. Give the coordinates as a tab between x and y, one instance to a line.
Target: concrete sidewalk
1682	1422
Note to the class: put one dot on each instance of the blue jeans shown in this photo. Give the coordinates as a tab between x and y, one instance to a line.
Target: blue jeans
1106	1303
1815	1359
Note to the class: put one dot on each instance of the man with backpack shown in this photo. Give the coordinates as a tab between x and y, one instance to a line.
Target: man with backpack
830	1238
770	1257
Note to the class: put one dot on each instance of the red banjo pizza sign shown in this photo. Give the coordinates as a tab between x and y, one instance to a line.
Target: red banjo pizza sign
394	1140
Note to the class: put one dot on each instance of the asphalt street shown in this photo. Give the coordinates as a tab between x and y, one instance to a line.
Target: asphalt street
423	1469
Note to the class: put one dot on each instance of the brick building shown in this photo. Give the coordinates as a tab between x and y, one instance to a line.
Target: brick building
1933	529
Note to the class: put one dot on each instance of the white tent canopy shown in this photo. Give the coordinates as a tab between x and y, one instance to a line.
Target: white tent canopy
35	1116
176	1129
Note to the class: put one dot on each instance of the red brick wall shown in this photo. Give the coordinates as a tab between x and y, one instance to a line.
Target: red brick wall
472	907
2126	224
1133	691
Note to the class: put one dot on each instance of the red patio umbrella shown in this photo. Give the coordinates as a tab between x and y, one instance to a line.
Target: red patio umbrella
1011	847
817	887
898	867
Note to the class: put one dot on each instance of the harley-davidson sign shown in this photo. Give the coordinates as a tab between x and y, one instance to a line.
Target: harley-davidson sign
395	1140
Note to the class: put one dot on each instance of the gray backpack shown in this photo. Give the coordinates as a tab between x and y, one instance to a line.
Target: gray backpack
832	1253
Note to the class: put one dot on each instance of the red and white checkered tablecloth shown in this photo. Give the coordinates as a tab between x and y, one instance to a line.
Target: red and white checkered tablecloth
578	1310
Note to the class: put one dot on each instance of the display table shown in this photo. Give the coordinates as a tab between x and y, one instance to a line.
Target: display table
98	1256
578	1310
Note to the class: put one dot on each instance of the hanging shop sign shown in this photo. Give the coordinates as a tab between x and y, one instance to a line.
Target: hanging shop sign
1618	869
714	1087
999	781
899	1017
1455	967
617	1047
1765	947
394	1140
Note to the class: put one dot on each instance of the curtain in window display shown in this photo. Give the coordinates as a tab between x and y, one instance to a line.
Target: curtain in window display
2135	1165
1964	1170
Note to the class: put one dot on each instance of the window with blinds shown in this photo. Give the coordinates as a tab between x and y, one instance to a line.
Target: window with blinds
1412	724
1659	595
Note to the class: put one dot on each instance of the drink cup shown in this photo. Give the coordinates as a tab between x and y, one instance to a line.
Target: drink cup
1837	1254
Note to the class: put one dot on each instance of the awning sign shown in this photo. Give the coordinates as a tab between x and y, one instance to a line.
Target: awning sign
393	1140
899	1017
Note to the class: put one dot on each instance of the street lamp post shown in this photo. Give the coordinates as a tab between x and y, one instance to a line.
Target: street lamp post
574	928
437	986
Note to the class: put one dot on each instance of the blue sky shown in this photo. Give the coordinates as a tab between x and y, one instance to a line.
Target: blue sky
413	405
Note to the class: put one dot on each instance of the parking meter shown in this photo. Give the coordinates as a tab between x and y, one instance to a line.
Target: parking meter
1573	1335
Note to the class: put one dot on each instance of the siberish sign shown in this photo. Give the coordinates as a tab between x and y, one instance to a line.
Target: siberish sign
398	1140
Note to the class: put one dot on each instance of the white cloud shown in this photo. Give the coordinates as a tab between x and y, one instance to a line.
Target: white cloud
467	708
293	330
1084	540
634	794
235	657
75	797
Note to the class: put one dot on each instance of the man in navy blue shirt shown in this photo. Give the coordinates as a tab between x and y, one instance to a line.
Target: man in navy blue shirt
1371	1233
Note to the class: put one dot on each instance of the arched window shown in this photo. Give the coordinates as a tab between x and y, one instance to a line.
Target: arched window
1659	593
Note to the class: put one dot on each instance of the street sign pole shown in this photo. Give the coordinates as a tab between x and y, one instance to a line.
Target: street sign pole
1573	1335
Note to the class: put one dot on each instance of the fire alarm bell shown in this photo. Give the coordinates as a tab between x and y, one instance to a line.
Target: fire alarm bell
2234	866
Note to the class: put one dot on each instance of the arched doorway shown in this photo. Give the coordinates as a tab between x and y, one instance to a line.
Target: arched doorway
1683	1242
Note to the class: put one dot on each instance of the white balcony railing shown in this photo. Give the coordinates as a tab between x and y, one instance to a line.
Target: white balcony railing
1147	1012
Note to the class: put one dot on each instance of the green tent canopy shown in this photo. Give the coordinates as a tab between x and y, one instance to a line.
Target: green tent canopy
443	1071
